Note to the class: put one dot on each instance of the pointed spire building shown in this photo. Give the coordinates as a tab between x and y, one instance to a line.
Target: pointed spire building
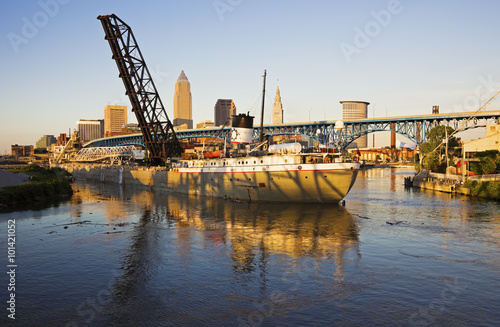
183	107
277	108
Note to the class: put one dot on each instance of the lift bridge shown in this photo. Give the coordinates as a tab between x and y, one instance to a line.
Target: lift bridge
414	128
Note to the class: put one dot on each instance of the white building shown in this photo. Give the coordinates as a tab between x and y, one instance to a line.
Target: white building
356	110
89	130
490	142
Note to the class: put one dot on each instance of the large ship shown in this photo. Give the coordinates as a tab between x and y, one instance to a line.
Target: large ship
282	173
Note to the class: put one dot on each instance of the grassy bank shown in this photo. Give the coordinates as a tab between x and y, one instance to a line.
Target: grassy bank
489	190
44	185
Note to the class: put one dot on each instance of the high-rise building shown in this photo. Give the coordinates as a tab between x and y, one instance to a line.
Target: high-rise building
90	130
223	110
114	118
356	110
183	107
277	108
46	141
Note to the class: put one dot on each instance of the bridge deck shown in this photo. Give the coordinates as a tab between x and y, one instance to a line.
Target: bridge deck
414	128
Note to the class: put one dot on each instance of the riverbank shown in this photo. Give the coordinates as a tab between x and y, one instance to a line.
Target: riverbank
477	187
32	183
484	189
387	165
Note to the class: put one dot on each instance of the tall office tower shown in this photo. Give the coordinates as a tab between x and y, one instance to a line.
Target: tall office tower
90	130
356	110
277	108
223	110
183	106
114	118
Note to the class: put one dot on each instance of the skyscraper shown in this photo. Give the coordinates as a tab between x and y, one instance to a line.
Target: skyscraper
277	108
183	108
89	130
356	110
223	110
114	118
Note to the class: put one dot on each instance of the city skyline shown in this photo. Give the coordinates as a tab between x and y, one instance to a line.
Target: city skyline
402	56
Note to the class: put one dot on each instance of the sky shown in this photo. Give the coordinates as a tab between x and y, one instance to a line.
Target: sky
402	56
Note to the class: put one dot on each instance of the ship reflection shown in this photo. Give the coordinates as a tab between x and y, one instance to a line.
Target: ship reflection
255	240
254	231
249	230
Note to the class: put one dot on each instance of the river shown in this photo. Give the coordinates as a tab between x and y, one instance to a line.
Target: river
116	256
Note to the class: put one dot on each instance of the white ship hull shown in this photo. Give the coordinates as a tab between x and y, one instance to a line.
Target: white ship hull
265	179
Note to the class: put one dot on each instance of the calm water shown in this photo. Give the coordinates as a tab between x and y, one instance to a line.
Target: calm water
114	256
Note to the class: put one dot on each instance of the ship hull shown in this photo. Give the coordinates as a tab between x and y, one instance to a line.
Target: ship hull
306	183
272	179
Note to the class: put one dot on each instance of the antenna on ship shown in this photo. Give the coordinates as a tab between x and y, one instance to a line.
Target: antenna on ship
261	134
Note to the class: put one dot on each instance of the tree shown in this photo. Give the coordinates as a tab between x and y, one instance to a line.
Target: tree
489	161
432	156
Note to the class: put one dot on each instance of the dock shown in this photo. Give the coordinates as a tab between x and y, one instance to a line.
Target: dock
447	183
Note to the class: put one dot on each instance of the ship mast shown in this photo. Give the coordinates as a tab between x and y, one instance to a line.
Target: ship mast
261	134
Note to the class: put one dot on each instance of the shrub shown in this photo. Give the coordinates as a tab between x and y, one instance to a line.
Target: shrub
45	184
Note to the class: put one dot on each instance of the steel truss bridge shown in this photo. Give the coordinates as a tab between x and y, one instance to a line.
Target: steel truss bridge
414	128
112	154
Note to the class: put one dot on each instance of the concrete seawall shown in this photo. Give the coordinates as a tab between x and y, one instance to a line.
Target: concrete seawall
439	182
137	177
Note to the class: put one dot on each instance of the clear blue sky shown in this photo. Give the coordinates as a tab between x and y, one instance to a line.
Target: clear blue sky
401	56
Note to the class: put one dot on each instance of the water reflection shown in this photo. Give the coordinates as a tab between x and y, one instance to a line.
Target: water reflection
175	239
258	230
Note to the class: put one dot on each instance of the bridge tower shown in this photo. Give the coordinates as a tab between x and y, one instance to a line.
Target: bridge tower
158	132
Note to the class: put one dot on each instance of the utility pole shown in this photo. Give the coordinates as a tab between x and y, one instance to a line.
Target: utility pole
463	166
446	133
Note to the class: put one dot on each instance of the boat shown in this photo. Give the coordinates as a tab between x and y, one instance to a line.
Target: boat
212	154
280	173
